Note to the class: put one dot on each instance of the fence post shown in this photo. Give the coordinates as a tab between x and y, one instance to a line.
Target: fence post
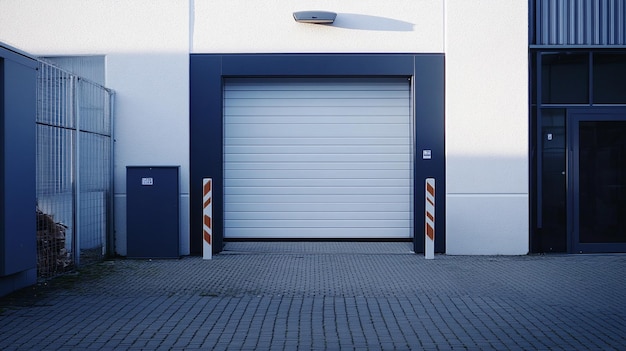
75	97
110	240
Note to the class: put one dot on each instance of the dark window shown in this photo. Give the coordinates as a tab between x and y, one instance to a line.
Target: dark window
565	78
609	78
533	78
602	187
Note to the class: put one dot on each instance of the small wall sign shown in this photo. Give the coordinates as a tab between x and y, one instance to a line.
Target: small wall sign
426	154
147	181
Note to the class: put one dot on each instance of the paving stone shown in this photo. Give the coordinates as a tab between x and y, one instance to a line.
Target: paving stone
326	296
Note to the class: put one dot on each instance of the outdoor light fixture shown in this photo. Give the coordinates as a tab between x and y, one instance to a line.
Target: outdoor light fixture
323	17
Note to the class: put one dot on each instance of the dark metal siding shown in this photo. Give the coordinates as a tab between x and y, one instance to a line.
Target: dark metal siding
18	250
579	22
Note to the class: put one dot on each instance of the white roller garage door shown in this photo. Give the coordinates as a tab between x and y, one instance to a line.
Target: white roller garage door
317	158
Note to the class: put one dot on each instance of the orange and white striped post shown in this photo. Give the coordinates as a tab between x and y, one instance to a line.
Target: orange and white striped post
429	230
207	218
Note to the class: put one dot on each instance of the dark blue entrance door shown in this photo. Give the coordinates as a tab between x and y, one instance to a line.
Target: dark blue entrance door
597	191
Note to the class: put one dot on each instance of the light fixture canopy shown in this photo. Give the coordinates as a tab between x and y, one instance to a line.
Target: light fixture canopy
324	17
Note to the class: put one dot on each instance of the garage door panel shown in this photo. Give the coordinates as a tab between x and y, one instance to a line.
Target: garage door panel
250	97
315	190
332	155
328	157
325	174
311	119
349	84
326	223
314	166
316	182
307	102
320	142
317	233
338	111
315	207
300	149
297	198
316	130
317	215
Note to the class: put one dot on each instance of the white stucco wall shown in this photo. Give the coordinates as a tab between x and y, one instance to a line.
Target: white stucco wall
147	45
226	26
486	127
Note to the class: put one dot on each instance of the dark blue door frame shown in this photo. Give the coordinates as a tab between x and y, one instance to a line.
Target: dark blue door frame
207	73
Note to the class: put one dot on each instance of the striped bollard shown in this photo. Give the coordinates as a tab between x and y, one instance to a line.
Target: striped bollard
207	217
429	231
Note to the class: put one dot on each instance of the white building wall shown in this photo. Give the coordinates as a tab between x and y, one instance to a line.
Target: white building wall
227	26
147	45
486	127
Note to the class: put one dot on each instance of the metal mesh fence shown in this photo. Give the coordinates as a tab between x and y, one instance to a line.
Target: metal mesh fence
74	170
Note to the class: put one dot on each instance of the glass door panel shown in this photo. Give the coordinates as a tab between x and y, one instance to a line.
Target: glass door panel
598	179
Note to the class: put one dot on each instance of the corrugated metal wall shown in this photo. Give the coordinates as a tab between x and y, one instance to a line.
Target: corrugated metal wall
579	22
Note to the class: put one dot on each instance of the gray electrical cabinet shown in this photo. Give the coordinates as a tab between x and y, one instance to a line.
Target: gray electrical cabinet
152	211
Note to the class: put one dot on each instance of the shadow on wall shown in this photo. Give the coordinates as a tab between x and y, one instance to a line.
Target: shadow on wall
366	22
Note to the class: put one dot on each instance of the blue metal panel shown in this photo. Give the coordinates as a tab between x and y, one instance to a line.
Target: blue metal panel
152	212
429	135
579	22
337	65
206	121
18	251
206	146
